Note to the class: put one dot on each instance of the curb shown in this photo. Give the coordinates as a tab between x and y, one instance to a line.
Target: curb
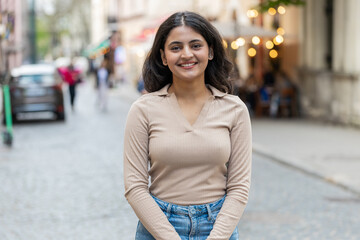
296	164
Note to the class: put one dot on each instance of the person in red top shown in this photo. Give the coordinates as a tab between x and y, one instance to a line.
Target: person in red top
70	75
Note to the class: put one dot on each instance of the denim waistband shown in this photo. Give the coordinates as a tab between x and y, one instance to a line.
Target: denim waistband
192	210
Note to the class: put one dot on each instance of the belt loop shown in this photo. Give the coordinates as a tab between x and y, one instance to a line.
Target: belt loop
168	210
209	212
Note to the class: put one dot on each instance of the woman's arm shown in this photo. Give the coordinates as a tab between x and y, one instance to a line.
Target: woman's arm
238	179
136	176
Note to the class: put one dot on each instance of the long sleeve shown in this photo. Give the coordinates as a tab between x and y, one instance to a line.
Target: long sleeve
238	178
136	176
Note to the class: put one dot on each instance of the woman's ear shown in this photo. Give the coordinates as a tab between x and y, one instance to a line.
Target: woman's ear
211	54
163	57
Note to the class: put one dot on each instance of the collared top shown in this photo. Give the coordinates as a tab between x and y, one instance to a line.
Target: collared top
188	164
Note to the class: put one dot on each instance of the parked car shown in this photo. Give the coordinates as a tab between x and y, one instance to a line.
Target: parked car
36	88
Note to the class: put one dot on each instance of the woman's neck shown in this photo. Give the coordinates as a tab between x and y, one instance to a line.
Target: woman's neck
189	90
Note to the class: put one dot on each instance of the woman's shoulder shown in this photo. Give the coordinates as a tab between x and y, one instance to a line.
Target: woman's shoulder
233	100
227	100
148	100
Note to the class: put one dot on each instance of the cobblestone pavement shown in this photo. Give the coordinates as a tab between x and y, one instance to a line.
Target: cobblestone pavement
287	204
320	148
63	181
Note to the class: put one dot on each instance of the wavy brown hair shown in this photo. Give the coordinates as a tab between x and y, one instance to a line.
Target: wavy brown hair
217	73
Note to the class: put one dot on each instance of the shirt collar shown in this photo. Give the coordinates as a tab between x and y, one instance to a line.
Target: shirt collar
164	91
216	92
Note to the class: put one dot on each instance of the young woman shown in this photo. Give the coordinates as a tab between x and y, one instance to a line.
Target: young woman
188	135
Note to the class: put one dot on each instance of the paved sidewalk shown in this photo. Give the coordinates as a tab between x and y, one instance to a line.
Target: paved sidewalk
328	151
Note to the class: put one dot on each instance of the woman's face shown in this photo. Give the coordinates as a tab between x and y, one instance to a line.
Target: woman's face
186	53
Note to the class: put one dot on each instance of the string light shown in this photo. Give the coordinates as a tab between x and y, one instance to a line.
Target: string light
269	44
278	40
272	11
280	31
234	45
240	41
273	53
252	52
281	10
252	13
255	40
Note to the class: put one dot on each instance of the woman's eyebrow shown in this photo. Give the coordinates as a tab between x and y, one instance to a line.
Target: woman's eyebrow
195	40
174	42
178	42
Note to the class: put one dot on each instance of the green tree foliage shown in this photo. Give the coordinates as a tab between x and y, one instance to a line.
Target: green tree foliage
43	38
264	6
69	18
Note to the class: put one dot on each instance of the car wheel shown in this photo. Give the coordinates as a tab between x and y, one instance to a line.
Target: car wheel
60	116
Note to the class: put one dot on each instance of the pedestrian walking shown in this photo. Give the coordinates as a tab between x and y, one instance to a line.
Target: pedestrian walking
71	76
102	76
190	136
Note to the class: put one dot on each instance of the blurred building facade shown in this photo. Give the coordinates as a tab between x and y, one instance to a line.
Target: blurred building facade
136	22
330	61
13	33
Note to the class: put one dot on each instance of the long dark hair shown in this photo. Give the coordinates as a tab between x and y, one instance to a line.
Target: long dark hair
217	73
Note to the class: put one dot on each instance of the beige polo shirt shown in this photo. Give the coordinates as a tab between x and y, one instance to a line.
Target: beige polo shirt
187	164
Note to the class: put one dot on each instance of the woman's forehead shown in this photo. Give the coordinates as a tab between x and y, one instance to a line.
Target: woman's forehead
183	34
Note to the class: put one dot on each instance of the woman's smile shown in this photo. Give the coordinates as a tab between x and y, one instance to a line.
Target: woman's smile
187	65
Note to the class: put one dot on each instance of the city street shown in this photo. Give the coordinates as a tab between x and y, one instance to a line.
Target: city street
64	181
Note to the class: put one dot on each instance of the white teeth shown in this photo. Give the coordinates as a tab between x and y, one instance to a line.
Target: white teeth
187	65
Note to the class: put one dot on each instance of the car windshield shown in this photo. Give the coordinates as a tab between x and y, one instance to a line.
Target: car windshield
36	79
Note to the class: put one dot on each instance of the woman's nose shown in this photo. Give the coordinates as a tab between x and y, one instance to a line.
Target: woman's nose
187	52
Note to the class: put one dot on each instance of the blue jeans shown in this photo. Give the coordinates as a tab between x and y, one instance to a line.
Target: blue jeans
193	222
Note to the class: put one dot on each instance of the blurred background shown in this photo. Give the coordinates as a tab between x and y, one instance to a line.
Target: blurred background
296	66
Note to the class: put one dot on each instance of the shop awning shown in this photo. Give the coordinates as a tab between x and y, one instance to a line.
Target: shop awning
99	49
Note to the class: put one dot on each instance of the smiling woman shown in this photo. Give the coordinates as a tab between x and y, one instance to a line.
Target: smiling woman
186	53
156	75
195	137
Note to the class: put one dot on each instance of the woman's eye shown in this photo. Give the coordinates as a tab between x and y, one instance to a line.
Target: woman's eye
175	48
196	46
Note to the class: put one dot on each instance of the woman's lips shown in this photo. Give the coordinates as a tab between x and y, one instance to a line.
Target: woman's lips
187	65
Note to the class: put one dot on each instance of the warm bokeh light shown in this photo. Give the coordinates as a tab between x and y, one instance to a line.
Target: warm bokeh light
273	53
234	45
252	13
272	11
240	41
278	40
255	40
280	31
281	10
252	52
225	43
269	44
